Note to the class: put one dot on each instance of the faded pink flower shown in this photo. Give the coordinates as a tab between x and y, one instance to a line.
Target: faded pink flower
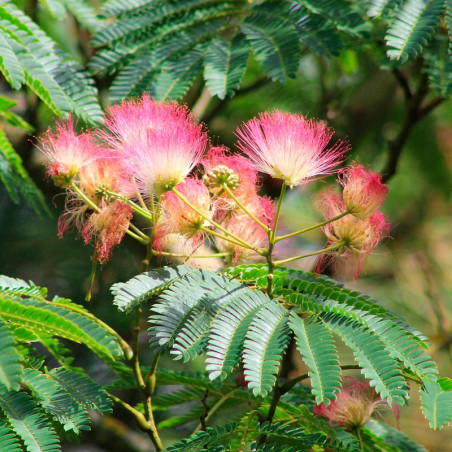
107	228
356	238
178	217
363	191
290	147
160	142
67	152
353	406
104	173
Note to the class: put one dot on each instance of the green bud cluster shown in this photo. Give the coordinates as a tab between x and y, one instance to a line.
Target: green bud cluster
220	175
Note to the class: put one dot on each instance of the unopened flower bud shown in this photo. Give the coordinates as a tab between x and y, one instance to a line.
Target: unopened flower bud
220	175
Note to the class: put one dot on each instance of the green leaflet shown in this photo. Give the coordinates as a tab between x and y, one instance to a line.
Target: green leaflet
394	437
436	399
316	345
8	439
28	422
225	65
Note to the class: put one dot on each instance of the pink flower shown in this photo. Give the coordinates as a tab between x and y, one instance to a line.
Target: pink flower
353	406
161	143
290	147
363	191
354	237
67	152
107	228
178	217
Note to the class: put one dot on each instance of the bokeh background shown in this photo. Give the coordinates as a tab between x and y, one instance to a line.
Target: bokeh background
410	273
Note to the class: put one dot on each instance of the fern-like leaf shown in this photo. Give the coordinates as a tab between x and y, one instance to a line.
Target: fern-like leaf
203	439
412	27
16	179
265	343
382	8
28	422
275	45
50	318
370	353
10	65
82	389
144	286
316	345
225	65
178	75
439	67
57	401
10	365
84	13
227	333
287	438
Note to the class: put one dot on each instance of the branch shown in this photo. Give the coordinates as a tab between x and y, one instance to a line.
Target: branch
415	112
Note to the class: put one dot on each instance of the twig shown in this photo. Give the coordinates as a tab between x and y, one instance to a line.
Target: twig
203	417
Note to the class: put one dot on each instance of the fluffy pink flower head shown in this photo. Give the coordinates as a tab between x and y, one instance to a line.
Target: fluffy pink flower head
104	173
132	119
178	217
67	152
107	228
161	142
290	147
357	237
363	191
353	406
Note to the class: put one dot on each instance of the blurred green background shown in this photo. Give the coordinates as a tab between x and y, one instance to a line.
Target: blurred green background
411	273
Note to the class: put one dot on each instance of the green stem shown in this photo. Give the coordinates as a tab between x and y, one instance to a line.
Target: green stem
314	253
144	212
310	228
200	256
139	232
214	409
234	198
212	222
96	208
228	239
92	275
142	422
271	241
360	439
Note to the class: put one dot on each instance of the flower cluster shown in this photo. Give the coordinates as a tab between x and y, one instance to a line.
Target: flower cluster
154	160
354	405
